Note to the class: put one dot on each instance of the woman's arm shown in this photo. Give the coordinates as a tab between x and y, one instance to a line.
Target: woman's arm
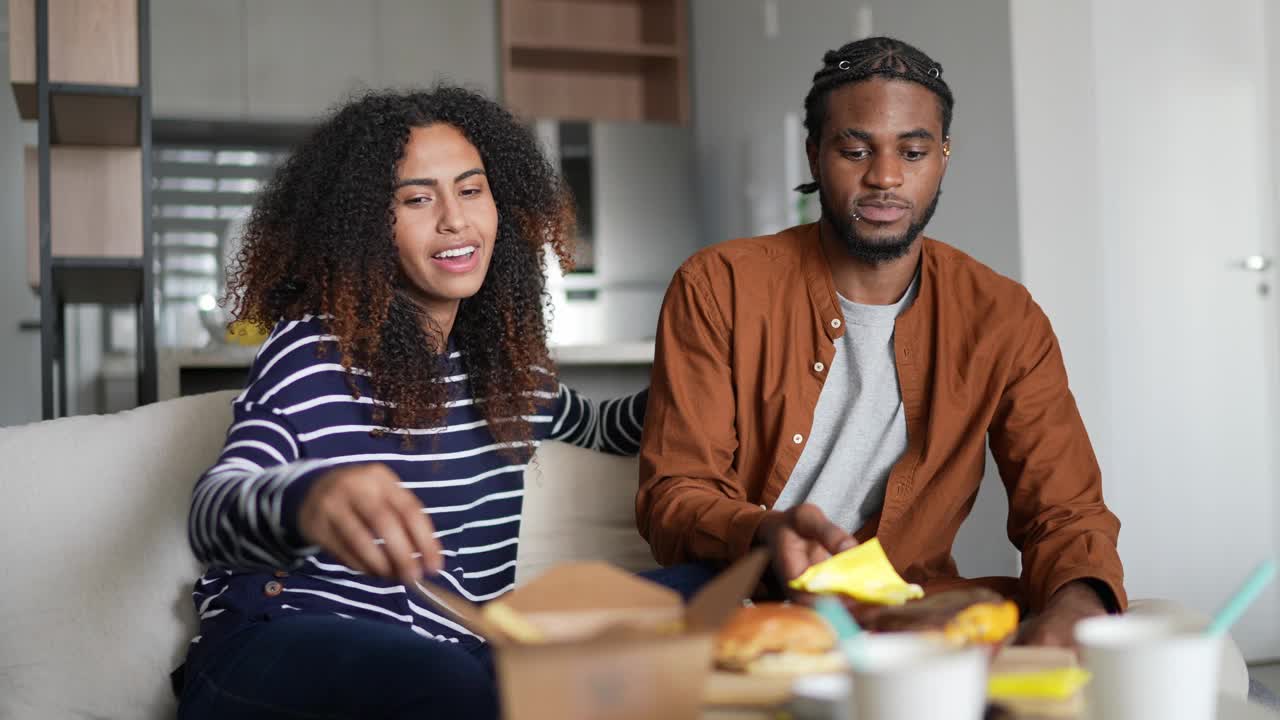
244	511
612	426
262	507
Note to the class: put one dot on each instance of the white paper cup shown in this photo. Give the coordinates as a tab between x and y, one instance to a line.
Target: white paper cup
822	697
1149	667
906	676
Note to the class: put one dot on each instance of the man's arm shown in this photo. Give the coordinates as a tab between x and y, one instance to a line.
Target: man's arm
1057	516
691	504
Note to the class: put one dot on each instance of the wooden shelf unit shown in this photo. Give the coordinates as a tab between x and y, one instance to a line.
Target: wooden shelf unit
623	60
94	203
95	115
91	42
81	70
98	280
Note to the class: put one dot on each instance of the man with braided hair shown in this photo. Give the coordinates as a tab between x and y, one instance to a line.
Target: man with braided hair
838	381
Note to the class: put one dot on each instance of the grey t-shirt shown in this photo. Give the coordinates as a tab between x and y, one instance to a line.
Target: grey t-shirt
859	428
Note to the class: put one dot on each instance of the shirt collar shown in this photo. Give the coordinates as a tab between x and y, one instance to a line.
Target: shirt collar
817	278
822	289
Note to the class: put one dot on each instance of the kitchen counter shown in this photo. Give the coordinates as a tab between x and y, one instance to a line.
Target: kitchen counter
190	371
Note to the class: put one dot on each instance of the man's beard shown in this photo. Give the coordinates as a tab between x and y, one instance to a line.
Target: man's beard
873	251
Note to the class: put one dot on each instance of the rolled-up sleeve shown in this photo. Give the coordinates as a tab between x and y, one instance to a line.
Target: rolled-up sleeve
1057	516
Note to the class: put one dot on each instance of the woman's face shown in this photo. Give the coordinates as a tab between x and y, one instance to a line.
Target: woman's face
445	218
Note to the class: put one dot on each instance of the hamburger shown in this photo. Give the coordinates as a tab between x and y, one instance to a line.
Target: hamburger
777	639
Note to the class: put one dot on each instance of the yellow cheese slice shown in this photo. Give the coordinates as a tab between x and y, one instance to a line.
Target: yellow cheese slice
863	573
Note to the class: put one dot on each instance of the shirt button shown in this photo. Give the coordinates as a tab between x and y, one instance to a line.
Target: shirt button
835	322
272	589
819	367
797	438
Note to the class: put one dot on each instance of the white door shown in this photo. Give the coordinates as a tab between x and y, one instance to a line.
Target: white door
1178	189
1185	179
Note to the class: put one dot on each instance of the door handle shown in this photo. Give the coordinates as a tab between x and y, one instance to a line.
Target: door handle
1256	263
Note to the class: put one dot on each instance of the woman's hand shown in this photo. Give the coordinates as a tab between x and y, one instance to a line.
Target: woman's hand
361	515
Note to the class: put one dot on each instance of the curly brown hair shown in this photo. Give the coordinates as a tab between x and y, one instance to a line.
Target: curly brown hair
320	241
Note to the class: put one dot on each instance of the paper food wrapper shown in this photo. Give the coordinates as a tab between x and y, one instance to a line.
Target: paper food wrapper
863	573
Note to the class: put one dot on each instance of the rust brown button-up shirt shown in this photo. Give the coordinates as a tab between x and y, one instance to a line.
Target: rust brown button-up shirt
746	334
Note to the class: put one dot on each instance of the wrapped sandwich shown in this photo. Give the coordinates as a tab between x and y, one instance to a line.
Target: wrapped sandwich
864	573
974	616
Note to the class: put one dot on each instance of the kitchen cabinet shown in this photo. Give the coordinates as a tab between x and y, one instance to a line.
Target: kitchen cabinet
620	60
292	60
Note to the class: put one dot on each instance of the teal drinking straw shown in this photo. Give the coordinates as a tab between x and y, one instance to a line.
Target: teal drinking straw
1242	599
848	633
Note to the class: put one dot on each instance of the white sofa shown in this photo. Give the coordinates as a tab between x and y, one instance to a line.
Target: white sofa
95	571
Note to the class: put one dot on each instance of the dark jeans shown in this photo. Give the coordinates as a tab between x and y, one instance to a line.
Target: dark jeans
685	579
324	666
331	668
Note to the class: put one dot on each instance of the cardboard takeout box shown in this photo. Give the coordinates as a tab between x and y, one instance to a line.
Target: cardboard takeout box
615	646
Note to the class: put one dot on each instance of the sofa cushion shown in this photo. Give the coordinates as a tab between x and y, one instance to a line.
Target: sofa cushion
96	607
97	572
580	505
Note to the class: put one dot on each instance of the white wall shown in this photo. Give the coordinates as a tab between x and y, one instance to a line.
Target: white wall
19	351
745	82
978	212
1059	222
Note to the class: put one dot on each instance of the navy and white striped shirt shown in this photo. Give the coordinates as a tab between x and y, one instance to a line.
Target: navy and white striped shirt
296	420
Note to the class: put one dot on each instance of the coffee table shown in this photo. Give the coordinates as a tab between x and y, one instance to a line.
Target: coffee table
737	697
1229	708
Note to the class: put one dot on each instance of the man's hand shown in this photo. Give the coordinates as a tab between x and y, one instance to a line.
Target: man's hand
348	509
1055	625
800	537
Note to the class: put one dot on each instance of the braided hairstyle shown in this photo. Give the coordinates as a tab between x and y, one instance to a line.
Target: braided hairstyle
320	241
866	59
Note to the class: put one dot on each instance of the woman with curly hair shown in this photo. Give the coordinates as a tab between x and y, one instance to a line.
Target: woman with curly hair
389	417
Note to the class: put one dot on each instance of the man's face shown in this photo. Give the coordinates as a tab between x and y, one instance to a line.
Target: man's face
879	165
